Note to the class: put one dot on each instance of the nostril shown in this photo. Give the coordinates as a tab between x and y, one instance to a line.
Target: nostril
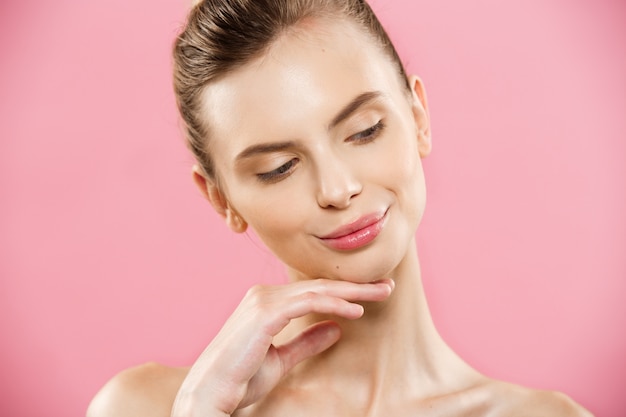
337	182
340	196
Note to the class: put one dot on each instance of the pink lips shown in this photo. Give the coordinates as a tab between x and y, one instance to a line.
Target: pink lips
358	233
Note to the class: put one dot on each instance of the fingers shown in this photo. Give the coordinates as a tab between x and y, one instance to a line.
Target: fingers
375	291
311	342
306	303
281	304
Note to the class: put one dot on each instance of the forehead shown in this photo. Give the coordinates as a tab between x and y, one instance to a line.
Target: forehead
306	76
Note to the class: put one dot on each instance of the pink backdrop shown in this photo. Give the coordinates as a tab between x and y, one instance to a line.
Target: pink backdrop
109	257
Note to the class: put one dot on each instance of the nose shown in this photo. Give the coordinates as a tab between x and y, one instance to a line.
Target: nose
337	184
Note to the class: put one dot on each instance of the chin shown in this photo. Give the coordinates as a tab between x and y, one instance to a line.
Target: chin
367	266
366	272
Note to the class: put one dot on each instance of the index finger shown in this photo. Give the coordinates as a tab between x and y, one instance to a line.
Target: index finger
350	291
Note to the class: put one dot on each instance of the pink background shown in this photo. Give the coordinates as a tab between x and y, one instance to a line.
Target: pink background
110	258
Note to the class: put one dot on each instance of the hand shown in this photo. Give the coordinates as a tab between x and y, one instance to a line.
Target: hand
241	365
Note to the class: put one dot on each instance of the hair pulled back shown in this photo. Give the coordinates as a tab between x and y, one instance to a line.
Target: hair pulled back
222	35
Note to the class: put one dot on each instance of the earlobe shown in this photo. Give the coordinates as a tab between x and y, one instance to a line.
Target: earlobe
212	192
419	106
235	222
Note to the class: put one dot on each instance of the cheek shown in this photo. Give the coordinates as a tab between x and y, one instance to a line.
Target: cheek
399	162
275	215
404	176
285	229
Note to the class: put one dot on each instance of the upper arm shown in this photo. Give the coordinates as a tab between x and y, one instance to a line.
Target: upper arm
517	401
555	404
568	407
146	390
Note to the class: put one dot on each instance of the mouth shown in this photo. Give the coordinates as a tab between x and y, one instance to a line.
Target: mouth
358	233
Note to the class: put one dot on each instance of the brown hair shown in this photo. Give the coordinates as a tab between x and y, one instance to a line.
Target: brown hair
221	35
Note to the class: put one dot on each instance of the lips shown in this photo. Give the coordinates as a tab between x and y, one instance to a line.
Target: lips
358	233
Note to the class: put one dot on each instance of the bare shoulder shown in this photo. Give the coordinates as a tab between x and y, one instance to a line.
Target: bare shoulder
515	401
145	390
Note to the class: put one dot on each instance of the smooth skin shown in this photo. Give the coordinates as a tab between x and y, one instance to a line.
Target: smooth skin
313	135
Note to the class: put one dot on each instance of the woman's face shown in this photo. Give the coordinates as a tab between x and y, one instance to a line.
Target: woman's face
317	147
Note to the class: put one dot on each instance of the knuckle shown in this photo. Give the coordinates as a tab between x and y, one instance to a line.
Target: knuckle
256	292
309	297
321	286
257	299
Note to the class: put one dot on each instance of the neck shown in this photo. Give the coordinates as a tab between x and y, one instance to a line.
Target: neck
395	342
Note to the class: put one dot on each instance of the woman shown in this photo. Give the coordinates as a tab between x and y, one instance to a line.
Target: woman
306	129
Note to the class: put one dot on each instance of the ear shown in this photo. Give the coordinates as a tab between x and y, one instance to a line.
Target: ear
419	106
211	191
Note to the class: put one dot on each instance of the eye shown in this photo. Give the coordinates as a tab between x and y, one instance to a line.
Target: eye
369	134
279	173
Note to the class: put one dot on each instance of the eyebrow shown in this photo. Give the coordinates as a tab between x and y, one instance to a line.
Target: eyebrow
264	148
343	114
353	106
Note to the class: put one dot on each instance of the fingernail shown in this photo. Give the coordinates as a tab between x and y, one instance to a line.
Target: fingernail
359	310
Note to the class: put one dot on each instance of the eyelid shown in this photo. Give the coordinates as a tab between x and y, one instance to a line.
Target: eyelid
278	173
370	133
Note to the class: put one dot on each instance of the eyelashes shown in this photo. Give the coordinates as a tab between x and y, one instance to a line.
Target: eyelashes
361	138
276	174
368	134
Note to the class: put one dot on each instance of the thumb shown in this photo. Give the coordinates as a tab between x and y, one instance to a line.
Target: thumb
310	342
